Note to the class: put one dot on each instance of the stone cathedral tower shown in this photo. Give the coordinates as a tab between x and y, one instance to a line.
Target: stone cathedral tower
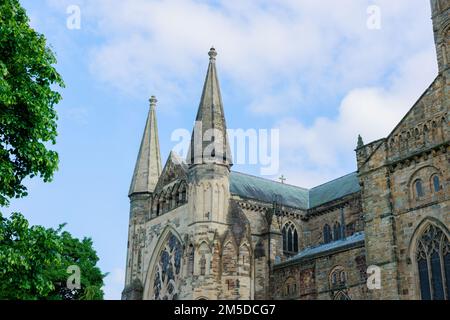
185	232
441	28
145	177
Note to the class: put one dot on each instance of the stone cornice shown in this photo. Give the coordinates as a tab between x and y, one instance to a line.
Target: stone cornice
332	205
391	165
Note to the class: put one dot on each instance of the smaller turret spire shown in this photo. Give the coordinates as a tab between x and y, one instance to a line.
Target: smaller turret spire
148	164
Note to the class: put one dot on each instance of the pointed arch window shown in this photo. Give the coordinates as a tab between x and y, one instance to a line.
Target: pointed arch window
436	183
327	237
334	281
419	188
290	238
433	264
167	274
338	277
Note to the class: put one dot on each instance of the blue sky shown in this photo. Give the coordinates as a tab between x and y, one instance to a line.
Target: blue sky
312	69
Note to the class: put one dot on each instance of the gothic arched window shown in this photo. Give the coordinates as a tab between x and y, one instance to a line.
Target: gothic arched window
343	277
167	276
436	183
290	238
334	279
419	188
327	237
338	277
433	263
337	231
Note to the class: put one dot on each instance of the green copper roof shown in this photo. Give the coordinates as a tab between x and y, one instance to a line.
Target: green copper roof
257	188
334	190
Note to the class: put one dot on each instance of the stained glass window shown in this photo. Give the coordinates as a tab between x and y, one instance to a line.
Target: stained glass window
167	277
433	263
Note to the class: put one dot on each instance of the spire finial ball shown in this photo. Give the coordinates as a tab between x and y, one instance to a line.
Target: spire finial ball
153	101
212	53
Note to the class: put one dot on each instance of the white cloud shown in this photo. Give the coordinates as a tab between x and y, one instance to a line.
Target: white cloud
282	57
265	47
316	153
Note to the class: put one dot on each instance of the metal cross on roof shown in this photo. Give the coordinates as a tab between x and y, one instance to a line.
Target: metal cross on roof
282	179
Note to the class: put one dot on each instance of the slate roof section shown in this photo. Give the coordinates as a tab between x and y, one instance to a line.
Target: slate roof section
334	189
252	187
354	241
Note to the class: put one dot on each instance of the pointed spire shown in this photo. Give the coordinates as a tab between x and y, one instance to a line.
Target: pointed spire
360	142
209	142
148	164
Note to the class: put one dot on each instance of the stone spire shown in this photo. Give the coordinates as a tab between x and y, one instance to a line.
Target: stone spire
360	142
148	163
209	142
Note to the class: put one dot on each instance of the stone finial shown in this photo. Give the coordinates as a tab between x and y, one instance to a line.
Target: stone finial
212	54
153	101
360	142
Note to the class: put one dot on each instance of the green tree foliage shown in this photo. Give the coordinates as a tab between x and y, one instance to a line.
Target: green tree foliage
81	254
27	100
34	262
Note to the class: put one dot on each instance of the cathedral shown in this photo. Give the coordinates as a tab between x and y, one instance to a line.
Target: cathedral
199	230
